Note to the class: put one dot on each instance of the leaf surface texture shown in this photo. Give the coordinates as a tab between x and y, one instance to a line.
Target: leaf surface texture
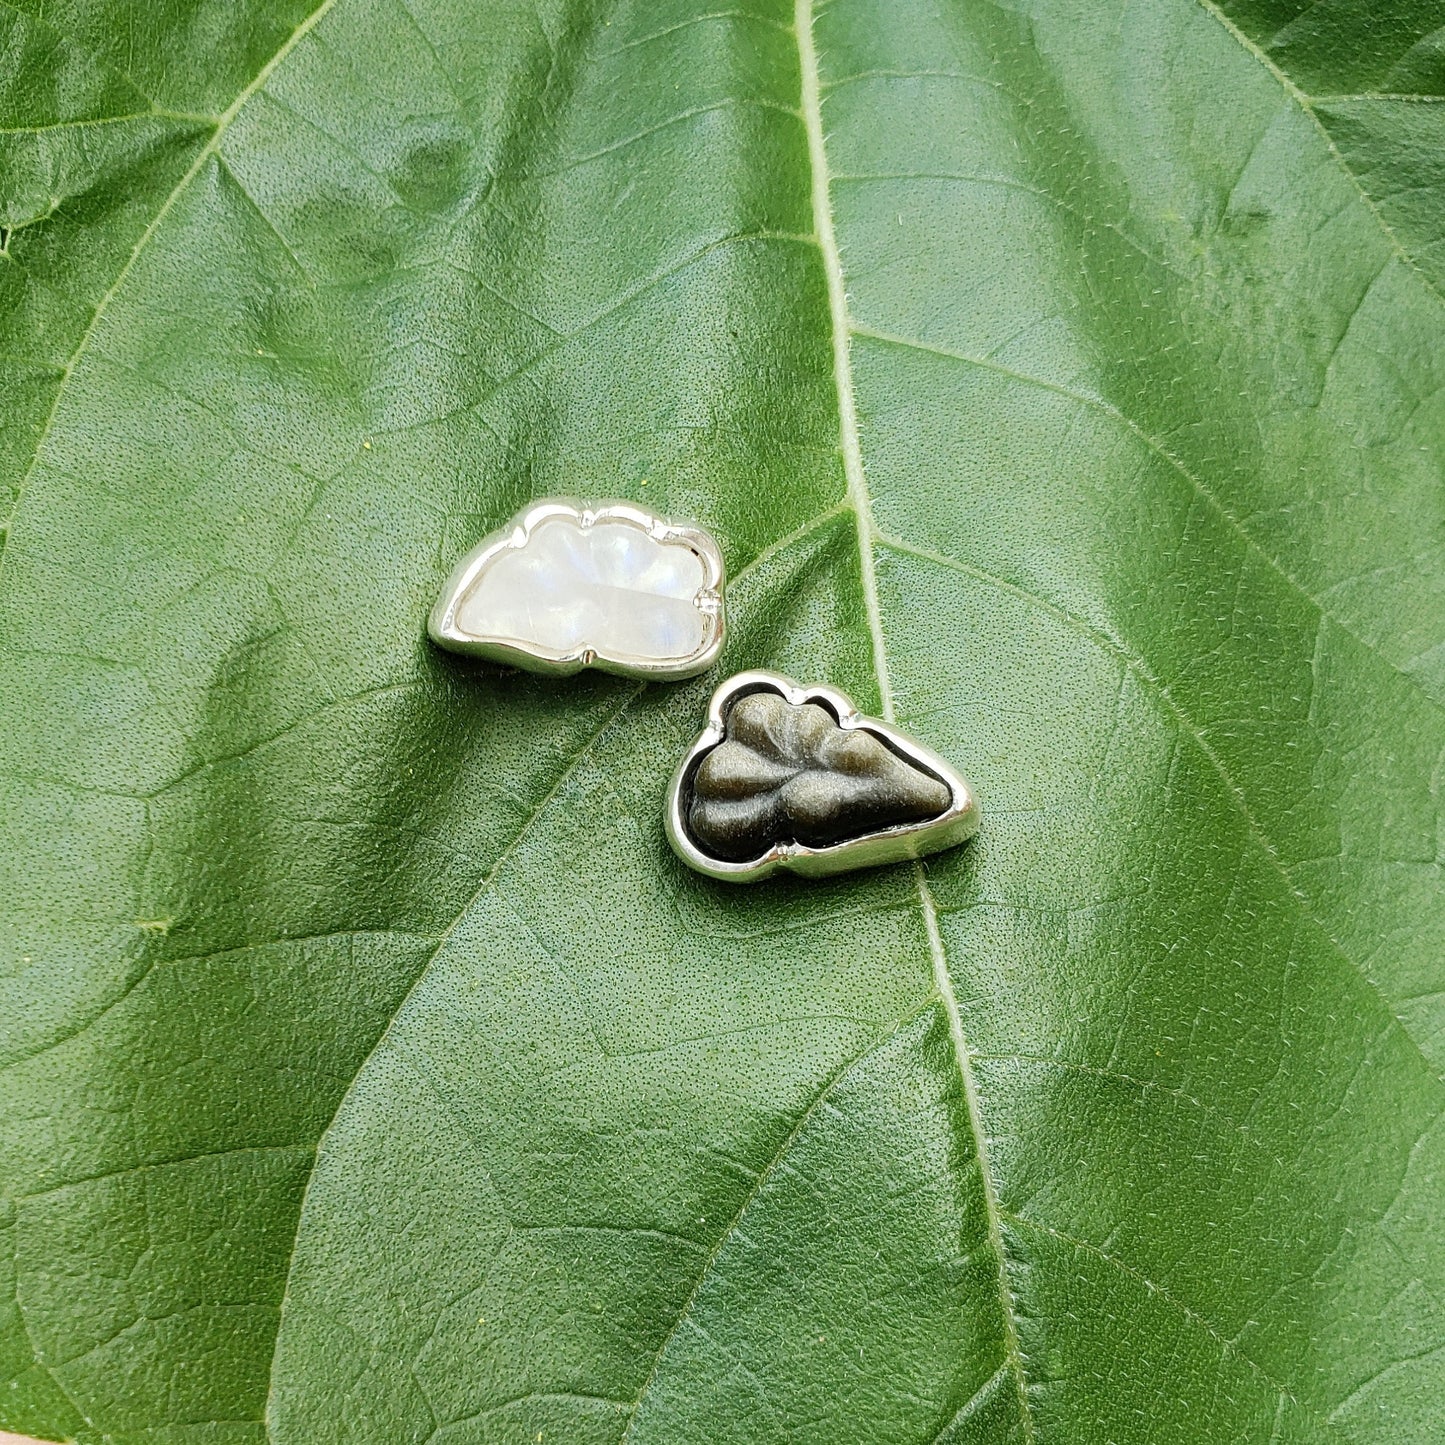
1062	379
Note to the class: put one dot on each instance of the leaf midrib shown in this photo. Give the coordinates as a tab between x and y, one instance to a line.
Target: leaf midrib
861	501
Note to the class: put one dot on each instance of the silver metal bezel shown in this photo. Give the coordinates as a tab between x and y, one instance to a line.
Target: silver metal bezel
442	628
888	845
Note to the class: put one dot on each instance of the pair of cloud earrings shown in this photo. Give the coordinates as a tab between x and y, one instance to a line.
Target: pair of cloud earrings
782	776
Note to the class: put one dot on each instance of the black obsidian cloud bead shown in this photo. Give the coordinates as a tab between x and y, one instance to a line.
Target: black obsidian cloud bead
788	772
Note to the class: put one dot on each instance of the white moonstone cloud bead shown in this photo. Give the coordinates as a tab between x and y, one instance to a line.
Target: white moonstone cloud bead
612	588
609	586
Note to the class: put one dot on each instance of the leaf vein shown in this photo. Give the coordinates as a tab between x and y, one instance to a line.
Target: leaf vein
1204	493
165	1164
974	1403
196	167
1137	665
1210	7
760	1181
1227	1345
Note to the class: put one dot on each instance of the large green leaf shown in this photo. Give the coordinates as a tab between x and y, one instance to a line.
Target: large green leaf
1065	379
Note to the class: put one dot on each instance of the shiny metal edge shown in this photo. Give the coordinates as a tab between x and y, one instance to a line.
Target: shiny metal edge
441	623
889	845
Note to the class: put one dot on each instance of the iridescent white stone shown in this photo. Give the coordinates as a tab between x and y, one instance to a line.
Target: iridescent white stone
610	588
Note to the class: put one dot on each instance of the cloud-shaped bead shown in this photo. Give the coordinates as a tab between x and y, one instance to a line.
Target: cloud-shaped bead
611	588
608	585
787	773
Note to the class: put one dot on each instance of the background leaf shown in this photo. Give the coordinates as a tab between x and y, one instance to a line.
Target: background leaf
1062	378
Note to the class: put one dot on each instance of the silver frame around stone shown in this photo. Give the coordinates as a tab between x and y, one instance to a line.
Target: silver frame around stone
887	845
443	629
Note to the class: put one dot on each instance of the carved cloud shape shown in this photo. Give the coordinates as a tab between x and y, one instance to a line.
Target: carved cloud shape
787	773
790	777
607	585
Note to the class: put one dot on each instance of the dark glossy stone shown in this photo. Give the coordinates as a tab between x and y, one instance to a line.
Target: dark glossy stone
786	773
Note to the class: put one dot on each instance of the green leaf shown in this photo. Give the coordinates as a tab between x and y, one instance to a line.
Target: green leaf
1065	379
